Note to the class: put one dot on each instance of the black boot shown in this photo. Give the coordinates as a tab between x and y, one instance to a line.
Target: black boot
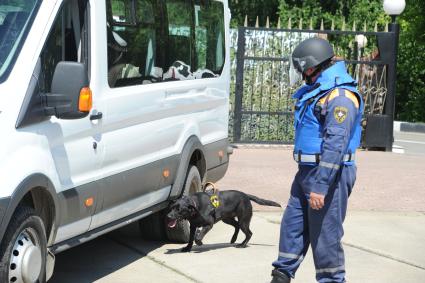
280	277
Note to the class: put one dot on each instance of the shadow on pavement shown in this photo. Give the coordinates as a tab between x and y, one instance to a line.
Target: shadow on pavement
201	249
210	247
100	257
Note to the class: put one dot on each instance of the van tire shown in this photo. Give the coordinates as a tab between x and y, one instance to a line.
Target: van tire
24	241
152	227
180	233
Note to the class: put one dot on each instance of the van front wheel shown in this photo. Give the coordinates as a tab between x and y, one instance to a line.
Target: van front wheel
180	233
23	250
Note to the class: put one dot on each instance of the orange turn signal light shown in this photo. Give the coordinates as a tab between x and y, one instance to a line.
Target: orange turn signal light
89	202
221	154
166	173
85	102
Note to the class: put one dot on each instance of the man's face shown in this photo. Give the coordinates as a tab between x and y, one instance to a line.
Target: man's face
307	75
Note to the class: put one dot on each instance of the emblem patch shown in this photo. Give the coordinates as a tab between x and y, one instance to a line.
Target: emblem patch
214	201
340	114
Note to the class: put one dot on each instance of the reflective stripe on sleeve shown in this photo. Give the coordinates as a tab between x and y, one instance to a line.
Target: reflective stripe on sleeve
329	165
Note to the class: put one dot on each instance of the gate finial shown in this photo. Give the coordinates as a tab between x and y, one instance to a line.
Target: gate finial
333	25
246	21
268	22
256	23
354	26
375	29
289	23
311	23
278	23
301	24
321	25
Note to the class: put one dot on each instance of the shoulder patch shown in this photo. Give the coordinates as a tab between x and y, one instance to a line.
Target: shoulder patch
340	114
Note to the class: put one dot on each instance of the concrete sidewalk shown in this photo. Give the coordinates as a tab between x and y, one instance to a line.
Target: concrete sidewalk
381	247
384	230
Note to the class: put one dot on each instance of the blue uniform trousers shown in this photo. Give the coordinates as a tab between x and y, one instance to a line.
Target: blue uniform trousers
302	226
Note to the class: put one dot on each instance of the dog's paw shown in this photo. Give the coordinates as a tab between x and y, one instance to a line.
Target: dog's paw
241	246
186	249
233	240
198	242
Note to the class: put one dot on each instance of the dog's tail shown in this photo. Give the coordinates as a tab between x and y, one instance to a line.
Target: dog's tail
261	201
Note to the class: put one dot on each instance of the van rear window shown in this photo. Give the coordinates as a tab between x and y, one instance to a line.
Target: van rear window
15	21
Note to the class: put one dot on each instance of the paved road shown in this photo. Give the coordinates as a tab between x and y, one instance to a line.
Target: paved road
385	228
413	143
377	252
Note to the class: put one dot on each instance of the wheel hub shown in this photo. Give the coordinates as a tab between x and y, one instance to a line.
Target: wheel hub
26	259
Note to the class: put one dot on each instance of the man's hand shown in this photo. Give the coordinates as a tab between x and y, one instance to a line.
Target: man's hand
317	201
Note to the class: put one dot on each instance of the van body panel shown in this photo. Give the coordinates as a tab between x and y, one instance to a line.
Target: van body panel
120	160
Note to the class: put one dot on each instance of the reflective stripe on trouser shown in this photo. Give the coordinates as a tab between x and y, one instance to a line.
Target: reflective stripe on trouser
322	228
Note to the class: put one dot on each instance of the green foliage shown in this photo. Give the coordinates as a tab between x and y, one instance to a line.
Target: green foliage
410	97
252	9
359	11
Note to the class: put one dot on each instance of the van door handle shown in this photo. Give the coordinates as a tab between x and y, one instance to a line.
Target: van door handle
96	116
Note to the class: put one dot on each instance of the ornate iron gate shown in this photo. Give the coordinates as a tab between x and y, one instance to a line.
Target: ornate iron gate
263	104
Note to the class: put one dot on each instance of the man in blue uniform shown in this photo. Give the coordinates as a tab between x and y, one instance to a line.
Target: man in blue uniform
327	132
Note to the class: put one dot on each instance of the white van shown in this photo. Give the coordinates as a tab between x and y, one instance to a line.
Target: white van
109	109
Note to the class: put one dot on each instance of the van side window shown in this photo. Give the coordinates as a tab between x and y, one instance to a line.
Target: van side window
180	32
210	44
157	41
67	40
131	39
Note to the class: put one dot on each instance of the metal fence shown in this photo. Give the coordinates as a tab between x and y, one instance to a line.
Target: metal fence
262	105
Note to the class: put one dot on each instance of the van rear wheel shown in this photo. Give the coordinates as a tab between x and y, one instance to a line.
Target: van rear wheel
23	250
180	233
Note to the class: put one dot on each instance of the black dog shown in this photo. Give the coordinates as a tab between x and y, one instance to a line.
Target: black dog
204	209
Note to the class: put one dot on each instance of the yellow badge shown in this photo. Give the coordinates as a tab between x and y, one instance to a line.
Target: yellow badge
214	201
340	113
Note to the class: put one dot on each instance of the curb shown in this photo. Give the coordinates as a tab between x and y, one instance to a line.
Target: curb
262	146
409	127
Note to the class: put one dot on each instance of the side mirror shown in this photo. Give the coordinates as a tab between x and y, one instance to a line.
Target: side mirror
70	97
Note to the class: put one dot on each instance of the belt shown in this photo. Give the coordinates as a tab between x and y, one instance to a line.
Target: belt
315	158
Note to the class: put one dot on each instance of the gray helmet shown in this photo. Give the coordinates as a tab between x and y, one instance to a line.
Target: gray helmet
311	53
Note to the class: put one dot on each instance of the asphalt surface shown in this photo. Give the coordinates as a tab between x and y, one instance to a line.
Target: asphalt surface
384	229
412	143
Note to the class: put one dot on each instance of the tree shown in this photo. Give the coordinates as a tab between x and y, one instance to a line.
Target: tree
410	99
252	9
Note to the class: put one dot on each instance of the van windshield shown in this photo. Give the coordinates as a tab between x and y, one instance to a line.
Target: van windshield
15	18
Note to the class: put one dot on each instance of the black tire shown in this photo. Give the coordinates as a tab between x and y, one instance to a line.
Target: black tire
152	227
193	184
28	226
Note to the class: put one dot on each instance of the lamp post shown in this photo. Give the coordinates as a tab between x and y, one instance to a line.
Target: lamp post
361	42
392	8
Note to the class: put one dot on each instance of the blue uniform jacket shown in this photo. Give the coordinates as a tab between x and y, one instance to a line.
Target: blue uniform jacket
337	113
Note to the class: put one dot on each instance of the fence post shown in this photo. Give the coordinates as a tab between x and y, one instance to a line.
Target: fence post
240	62
389	108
